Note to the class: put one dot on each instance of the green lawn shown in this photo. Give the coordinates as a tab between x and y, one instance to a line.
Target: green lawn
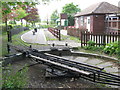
64	37
16	39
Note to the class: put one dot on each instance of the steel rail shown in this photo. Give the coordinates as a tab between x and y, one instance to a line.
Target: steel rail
94	74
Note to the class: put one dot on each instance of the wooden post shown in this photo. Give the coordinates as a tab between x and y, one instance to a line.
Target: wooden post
59	35
81	39
10	36
30	46
8	48
104	40
113	37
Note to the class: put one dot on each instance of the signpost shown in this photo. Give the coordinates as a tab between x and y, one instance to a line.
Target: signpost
62	16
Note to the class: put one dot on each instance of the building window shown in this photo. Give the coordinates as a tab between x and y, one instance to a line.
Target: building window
109	24
88	21
82	20
114	18
114	24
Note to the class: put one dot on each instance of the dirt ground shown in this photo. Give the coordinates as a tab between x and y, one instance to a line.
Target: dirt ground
36	75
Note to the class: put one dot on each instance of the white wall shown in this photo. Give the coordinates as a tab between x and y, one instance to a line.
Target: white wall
88	23
76	23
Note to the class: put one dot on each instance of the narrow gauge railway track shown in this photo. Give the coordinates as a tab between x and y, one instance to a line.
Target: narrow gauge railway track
89	72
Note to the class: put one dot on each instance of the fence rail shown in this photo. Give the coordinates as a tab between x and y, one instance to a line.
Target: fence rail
99	39
55	32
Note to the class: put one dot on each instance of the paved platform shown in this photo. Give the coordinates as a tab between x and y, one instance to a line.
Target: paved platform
39	37
70	43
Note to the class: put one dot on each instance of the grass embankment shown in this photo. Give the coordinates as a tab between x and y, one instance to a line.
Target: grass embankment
98	51
16	40
64	38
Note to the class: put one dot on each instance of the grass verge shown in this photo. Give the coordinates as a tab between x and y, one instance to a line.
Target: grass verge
64	37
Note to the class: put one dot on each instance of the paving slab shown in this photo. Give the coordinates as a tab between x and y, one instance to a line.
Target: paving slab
94	61
111	69
68	57
105	64
81	59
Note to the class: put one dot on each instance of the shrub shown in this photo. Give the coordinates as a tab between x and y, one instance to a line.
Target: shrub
91	43
111	48
12	22
91	46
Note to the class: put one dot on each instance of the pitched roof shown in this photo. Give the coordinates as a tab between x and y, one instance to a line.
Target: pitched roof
99	8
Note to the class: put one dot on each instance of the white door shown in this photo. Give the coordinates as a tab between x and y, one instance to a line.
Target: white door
88	23
76	23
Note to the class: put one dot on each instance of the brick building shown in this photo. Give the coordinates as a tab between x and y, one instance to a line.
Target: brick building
99	18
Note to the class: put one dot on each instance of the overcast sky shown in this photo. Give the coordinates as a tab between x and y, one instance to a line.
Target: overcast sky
46	10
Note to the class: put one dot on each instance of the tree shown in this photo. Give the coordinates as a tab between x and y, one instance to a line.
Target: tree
70	9
8	7
20	14
54	16
32	16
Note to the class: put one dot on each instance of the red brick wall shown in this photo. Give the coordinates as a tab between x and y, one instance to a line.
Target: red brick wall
119	24
98	23
91	23
76	32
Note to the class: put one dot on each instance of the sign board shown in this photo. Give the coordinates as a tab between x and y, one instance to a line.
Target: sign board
63	16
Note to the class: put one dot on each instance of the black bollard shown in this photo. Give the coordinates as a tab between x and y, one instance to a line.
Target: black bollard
30	46
66	44
53	44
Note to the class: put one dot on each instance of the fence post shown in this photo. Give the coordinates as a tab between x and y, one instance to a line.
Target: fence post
10	36
8	48
9	40
104	40
59	35
81	39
